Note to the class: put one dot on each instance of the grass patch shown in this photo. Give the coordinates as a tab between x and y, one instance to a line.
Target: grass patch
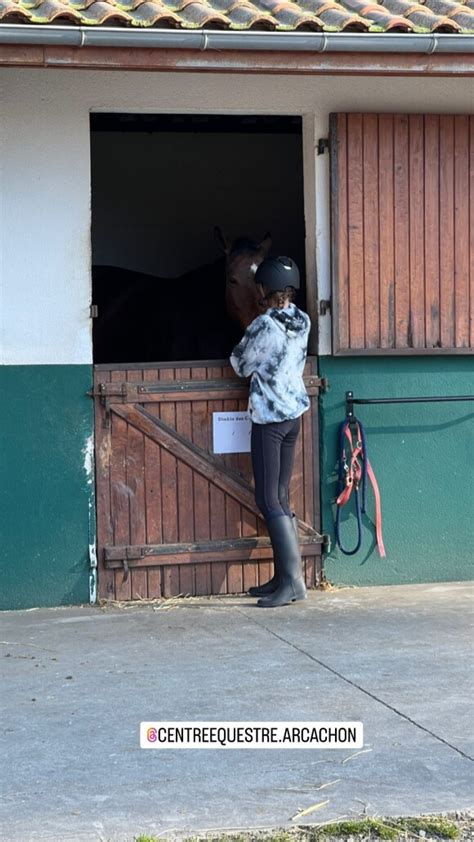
431	827
435	826
390	828
244	837
146	839
358	827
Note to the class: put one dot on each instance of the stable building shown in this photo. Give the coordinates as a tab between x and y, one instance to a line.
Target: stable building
342	133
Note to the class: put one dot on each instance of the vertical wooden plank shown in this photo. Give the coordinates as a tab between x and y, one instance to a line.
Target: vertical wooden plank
170	574
315	450
446	229
217	513
416	338
138	583
153	494
386	231
461	229
431	208
238	516
233	520
250	572
356	231
296	484
120	492
185	489
235	577
218	530
401	230
242	576
309	571
105	530
371	244
213	373
136	487
155	590
307	513
202	571
153	477
339	223
152	375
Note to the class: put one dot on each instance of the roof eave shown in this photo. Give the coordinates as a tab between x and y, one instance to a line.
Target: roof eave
204	51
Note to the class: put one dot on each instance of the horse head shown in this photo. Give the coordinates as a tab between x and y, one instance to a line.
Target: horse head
243	256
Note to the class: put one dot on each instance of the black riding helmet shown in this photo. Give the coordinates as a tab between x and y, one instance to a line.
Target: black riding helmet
277	273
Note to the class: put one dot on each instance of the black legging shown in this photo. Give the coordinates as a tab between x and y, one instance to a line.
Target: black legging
273	456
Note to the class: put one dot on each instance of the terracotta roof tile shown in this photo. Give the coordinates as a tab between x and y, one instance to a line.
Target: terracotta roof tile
49	10
11	10
424	16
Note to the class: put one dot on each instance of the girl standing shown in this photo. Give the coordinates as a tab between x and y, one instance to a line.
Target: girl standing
272	353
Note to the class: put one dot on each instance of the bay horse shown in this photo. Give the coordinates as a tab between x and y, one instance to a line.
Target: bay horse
198	315
243	258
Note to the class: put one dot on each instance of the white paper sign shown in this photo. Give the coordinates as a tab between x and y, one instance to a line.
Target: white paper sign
231	432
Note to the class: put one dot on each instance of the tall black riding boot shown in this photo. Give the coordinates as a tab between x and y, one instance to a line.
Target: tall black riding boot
272	584
291	586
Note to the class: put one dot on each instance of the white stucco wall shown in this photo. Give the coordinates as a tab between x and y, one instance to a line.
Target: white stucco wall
45	177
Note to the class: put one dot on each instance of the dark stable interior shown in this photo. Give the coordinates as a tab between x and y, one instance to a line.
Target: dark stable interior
160	185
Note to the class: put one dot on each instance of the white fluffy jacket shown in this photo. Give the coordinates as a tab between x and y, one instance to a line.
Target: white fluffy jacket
273	353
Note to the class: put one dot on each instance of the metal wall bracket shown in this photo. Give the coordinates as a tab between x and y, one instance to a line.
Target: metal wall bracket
351	400
326	543
323	144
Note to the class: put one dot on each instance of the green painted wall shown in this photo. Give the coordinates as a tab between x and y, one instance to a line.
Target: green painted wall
423	458
46	492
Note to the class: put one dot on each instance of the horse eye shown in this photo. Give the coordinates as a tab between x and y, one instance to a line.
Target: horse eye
233	280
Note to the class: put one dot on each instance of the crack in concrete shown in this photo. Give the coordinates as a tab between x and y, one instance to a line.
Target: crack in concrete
357	686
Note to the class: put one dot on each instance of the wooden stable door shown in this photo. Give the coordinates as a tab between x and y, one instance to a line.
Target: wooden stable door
172	516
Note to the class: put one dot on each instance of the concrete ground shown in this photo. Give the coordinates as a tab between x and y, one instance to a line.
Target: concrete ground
77	682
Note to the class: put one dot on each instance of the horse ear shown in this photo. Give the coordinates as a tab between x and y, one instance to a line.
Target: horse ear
222	241
266	244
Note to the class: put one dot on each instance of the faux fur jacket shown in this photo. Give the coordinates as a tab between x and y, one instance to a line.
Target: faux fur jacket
273	353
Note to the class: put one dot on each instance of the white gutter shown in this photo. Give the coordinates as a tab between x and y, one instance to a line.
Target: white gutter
178	39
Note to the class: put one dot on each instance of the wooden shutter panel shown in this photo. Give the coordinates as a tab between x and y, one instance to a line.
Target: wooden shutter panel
402	211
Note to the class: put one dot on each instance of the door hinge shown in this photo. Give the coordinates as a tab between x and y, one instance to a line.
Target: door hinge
93	311
105	392
324	306
323	144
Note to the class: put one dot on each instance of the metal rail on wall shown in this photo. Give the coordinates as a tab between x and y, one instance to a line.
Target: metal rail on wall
351	400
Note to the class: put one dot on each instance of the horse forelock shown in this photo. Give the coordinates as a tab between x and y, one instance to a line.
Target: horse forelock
241	245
